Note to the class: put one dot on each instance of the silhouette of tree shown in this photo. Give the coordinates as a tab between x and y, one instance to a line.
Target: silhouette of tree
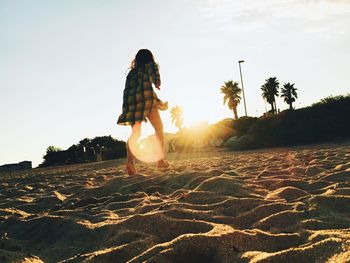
177	117
270	90
111	149
85	142
289	93
231	93
52	149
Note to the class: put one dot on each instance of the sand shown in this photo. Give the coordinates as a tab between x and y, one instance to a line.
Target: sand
277	205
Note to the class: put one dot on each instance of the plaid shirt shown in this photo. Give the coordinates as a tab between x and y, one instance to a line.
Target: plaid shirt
139	96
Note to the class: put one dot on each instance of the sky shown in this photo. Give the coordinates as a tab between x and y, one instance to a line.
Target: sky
63	63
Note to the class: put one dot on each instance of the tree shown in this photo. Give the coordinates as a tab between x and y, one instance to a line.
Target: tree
232	96
270	90
289	93
85	142
112	149
177	116
51	149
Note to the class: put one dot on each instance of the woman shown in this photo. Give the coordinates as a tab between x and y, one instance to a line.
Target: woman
139	104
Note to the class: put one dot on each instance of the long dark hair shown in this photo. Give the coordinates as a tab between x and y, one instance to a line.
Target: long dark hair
142	57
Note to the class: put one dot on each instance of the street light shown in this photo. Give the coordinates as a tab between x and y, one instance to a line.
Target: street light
240	72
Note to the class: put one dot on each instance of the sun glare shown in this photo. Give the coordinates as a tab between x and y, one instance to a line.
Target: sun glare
147	150
193	117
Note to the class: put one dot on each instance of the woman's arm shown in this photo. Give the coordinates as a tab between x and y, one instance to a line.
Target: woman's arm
153	72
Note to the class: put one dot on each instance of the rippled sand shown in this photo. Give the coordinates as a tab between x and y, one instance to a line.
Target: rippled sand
279	205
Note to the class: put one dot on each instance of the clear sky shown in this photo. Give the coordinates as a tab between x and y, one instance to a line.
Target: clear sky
63	63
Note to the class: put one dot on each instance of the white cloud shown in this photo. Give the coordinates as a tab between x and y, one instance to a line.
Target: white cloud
327	16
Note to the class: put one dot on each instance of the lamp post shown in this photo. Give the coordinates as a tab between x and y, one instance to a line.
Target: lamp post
240	72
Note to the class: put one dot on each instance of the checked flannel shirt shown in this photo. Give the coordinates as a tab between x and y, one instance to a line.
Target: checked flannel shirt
139	96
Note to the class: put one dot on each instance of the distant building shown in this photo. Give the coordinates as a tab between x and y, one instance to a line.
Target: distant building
16	166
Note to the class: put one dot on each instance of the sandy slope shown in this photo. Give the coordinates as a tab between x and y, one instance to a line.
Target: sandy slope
281	205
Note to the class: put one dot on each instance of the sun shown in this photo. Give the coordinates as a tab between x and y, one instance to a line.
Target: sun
193	117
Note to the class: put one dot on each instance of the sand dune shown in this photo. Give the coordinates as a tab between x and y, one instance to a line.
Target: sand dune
280	205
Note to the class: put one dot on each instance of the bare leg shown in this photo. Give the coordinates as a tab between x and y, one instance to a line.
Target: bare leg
157	124
135	135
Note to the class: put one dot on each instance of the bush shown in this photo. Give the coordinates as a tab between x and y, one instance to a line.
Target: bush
242	125
322	122
111	149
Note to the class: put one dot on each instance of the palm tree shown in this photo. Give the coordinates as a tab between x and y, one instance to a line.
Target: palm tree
270	90
231	93
177	116
289	93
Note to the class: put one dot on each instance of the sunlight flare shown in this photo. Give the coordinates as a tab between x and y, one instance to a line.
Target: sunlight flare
148	150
